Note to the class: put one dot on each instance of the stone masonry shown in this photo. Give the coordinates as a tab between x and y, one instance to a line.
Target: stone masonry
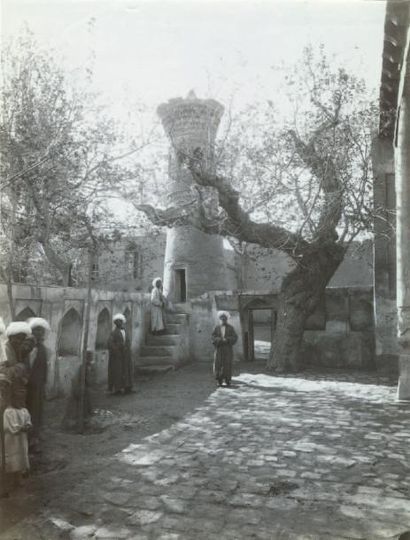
272	458
191	125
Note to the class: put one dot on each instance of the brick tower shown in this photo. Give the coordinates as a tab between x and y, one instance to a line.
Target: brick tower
194	261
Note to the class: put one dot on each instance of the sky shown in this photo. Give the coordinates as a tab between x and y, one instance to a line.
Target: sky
154	50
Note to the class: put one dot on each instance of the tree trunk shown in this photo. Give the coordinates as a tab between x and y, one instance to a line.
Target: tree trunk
63	267
84	345
300	294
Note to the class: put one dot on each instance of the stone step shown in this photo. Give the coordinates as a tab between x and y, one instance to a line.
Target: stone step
180	308
173	328
166	339
156	361
154	370
157	350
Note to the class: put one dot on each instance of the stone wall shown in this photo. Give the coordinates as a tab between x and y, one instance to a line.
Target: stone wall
340	334
264	269
64	309
130	264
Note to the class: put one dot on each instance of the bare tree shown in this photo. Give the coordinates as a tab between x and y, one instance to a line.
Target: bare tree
301	185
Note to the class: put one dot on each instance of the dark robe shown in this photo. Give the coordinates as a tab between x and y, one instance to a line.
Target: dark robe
119	362
223	356
35	387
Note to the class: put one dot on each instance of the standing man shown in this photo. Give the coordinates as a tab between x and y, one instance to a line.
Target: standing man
223	339
16	333
2	341
37	365
157	308
119	362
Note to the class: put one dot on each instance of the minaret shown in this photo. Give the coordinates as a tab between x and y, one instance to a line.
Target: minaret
194	261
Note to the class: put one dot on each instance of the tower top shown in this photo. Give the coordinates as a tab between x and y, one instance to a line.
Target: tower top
189	118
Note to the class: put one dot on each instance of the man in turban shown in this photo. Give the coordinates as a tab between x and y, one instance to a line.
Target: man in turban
37	365
157	307
223	339
16	333
119	361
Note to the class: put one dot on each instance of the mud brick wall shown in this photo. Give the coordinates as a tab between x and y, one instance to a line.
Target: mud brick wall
341	332
64	308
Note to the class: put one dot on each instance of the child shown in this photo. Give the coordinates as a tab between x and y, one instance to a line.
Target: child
16	423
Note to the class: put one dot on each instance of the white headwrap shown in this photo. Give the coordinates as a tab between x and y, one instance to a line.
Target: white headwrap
35	322
15	328
119	317
154	281
222	313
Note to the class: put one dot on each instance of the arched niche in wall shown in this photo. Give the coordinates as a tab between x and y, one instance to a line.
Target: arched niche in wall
103	330
25	314
70	334
128	324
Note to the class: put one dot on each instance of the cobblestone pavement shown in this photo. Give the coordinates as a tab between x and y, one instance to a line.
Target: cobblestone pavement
270	458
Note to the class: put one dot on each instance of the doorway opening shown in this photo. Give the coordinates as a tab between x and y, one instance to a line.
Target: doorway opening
261	329
180	285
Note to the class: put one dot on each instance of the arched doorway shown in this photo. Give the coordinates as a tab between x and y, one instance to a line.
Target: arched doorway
70	334
103	330
25	314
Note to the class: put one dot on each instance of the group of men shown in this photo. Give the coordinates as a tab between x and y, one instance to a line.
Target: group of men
23	375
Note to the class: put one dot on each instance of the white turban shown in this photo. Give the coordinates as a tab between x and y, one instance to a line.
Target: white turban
154	281
35	322
222	314
15	328
119	317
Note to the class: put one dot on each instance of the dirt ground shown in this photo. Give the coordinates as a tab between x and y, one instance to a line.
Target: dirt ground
67	459
159	401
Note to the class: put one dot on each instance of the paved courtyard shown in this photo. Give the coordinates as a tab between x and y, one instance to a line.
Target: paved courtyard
271	458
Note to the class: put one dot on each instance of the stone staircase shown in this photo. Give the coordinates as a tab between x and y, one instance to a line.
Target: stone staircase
162	353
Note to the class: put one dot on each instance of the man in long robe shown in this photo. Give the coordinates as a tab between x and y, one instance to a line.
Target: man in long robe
223	339
37	365
157	308
119	361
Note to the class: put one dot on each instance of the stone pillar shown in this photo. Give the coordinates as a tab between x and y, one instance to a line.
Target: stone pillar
384	255
403	237
191	255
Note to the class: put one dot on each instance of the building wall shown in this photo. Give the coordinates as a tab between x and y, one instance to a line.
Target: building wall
64	308
264	269
130	264
340	334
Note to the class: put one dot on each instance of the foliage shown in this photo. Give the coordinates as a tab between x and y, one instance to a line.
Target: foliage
281	160
64	161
